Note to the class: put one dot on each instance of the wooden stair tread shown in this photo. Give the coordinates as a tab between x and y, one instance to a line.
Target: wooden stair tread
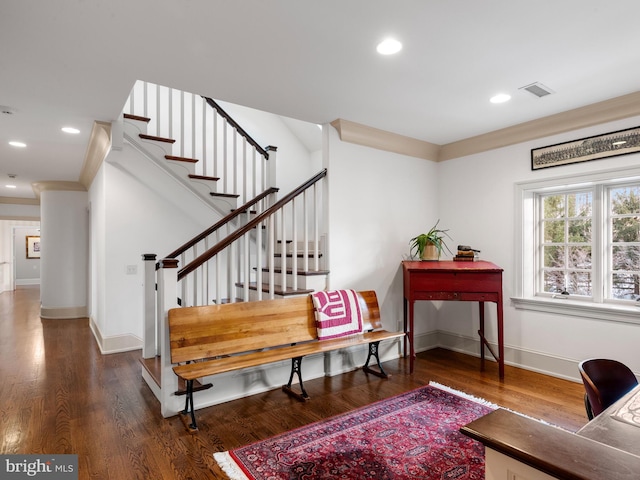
203	177
138	118
181	159
299	255
277	289
226	195
144	136
303	273
153	366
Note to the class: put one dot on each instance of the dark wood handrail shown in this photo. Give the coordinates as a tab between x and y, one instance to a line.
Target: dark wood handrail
229	239
212	103
223	221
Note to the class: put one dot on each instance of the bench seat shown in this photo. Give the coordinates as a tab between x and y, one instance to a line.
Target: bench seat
214	339
192	371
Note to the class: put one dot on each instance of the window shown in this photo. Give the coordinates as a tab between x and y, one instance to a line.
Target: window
565	246
624	253
579	245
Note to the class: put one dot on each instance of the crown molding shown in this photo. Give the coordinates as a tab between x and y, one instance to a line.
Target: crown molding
382	140
97	150
60	186
19	201
610	110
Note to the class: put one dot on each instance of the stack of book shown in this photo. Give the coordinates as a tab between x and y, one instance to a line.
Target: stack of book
466	254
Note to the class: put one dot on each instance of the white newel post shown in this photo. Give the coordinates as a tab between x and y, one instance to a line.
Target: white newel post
167	299
271	178
151	334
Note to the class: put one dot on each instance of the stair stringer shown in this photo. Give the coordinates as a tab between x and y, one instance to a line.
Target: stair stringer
154	153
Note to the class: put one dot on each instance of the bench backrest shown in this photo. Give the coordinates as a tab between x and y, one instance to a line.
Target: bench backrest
208	331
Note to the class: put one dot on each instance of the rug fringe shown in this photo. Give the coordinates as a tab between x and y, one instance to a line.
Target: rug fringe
229	466
479	400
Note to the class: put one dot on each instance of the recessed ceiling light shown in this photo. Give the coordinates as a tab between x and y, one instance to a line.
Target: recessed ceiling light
70	130
389	47
10	186
13	143
500	98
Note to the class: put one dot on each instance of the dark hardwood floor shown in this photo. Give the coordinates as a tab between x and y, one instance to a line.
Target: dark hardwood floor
59	394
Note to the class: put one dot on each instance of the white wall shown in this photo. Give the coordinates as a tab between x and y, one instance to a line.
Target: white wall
7	249
128	219
378	202
295	162
27	270
477	205
64	261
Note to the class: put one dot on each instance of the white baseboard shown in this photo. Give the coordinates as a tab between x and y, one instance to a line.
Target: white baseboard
62	313
540	362
115	343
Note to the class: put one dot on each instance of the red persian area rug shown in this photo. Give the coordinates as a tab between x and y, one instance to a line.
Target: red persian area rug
410	436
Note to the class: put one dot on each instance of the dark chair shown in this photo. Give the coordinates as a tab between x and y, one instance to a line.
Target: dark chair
605	382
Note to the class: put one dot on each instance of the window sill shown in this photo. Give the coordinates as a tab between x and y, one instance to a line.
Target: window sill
606	312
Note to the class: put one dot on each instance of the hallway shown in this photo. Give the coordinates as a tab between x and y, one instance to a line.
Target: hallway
60	395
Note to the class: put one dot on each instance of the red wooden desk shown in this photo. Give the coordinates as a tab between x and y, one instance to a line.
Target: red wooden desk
477	281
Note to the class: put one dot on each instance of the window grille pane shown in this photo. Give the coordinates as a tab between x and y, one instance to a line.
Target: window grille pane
554	231
579	283
554	206
580	231
626	257
553	281
579	204
625	200
626	286
554	257
580	257
626	229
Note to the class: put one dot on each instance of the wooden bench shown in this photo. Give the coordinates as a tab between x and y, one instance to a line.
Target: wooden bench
214	339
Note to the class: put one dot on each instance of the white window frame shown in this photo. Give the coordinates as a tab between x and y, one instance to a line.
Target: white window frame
525	254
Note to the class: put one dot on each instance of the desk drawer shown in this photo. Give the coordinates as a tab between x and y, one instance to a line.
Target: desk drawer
461	296
457	282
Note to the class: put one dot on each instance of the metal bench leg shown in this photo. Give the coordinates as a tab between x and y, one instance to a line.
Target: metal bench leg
188	406
373	351
296	364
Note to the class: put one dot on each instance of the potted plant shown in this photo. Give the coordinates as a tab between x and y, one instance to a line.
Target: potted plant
428	246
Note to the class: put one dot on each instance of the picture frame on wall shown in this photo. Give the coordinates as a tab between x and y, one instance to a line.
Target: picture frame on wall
606	145
33	247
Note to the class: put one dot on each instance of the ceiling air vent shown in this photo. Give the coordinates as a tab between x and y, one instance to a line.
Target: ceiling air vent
538	89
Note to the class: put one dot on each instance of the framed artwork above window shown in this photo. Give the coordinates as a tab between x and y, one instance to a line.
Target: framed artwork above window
585	149
33	247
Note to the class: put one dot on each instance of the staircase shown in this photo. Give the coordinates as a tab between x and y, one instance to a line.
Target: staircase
261	247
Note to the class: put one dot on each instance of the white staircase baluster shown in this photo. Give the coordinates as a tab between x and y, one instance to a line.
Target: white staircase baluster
305	232
283	250
316	247
294	242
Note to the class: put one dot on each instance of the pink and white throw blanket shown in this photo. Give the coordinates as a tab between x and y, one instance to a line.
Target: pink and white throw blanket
337	313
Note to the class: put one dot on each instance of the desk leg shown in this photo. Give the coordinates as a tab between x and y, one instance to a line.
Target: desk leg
481	333
500	339
484	343
408	333
404	326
